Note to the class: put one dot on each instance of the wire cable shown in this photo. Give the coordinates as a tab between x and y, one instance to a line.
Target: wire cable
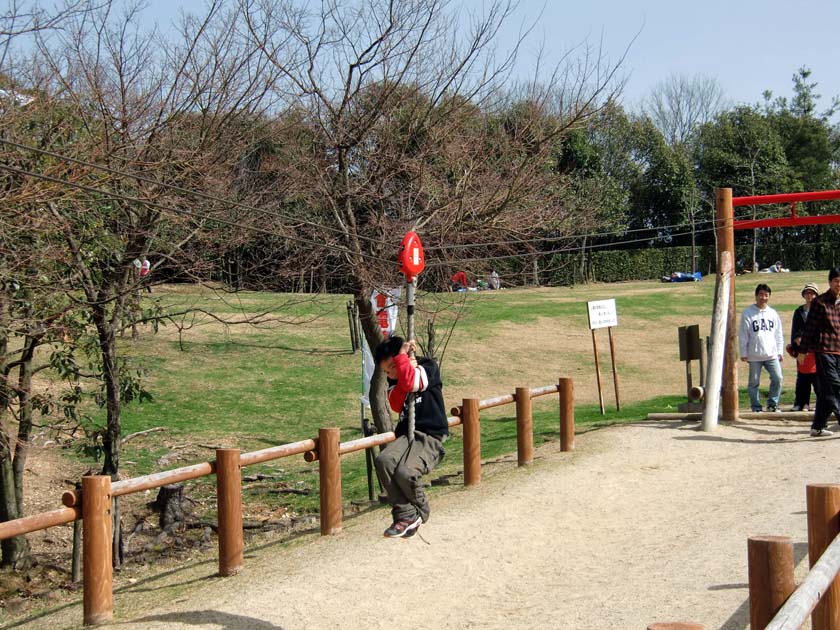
189	213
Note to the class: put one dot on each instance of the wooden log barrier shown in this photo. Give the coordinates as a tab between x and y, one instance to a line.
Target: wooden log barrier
770	569
472	441
329	468
96	551
567	414
823	526
229	504
524	427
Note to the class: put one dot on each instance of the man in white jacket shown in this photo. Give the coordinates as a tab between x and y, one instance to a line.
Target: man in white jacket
761	341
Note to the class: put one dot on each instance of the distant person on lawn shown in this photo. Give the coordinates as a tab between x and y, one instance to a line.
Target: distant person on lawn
402	464
762	342
806	362
822	337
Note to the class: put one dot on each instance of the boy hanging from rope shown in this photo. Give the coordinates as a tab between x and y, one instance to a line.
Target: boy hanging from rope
403	462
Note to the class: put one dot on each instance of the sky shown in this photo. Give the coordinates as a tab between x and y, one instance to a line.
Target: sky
747	45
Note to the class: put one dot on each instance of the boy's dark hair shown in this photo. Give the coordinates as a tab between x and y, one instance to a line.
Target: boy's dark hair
388	349
835	271
763	287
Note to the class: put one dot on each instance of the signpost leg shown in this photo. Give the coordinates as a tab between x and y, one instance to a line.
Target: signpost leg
598	372
615	372
409	290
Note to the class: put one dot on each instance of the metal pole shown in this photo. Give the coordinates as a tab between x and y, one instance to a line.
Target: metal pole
409	289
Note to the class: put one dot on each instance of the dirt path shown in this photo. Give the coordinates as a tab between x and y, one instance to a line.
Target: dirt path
643	523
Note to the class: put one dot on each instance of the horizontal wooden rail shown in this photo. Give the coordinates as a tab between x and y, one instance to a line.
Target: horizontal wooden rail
29	524
362	444
195	471
796	609
498	401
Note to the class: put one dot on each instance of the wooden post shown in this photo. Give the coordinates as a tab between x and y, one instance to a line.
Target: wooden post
472	441
524	427
725	216
329	468
716	357
615	372
229	505
96	541
770	569
567	414
598	371
823	502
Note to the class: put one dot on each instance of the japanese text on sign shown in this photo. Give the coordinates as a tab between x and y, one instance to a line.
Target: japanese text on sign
602	314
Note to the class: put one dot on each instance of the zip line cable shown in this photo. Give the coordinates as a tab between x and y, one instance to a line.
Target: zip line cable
189	213
175	187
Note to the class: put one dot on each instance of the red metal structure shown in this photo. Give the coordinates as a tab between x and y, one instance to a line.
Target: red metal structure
791	221
725	225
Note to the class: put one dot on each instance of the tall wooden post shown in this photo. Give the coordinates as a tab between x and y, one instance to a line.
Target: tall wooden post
770	568
823	526
566	389
229	505
524	427
717	356
598	371
472	441
329	468
725	217
96	550
614	371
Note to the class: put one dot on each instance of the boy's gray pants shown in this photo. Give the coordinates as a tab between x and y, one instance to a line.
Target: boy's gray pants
400	468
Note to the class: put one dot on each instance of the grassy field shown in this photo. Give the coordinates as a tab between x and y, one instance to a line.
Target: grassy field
252	387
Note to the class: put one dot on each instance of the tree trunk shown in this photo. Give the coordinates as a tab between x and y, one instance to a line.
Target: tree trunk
113	431
378	384
24	394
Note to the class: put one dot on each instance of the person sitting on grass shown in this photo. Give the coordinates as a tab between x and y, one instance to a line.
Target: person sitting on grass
403	462
761	342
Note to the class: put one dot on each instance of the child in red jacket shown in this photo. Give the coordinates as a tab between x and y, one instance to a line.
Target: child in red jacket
403	462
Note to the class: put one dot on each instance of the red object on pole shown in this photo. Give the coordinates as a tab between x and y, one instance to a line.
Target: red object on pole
412	259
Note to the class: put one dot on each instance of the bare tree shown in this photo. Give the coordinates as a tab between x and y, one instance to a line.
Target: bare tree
680	104
414	125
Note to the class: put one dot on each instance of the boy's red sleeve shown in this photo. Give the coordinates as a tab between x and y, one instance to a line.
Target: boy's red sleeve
405	380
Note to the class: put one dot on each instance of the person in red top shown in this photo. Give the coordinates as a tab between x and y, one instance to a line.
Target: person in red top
806	362
459	281
404	461
822	336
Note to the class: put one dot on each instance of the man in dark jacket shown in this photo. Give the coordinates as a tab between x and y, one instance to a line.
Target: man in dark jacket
403	462
822	336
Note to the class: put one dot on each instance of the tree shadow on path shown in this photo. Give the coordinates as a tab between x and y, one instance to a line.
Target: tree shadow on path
226	621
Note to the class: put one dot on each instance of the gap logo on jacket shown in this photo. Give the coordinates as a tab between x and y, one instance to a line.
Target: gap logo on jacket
760	336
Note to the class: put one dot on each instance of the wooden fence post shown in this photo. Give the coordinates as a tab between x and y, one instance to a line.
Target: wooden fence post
96	549
567	414
724	222
329	468
524	427
823	525
770	569
229	504
472	441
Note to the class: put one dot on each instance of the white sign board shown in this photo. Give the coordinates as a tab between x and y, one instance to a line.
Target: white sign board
602	314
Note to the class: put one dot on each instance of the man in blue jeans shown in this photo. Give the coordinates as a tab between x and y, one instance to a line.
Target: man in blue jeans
761	342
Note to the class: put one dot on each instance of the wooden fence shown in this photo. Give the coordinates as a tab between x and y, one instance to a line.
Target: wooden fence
775	602
93	503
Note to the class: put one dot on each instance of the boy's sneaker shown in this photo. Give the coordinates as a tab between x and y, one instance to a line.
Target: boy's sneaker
821	433
773	409
796	408
756	409
402	527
